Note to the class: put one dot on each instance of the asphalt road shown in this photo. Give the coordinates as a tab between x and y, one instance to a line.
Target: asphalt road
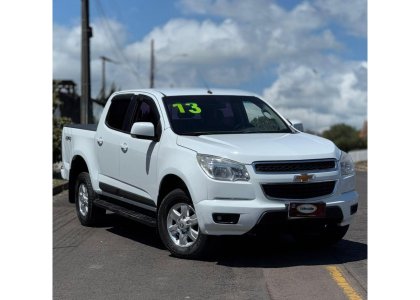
125	260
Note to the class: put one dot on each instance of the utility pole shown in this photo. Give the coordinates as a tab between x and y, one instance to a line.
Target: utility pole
104	60
152	65
86	115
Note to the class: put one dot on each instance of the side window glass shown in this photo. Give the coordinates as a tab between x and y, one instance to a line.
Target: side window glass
147	112
117	112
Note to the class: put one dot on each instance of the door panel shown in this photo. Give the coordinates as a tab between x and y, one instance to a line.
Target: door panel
109	136
138	165
107	143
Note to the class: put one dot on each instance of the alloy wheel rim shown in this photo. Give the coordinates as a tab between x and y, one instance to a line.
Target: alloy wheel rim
83	198
182	225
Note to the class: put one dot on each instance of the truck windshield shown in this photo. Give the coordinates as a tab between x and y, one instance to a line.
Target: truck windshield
211	114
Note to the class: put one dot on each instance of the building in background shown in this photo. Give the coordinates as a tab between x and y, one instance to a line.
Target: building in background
69	101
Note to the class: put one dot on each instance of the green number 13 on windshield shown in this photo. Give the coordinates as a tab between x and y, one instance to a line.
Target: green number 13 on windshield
193	107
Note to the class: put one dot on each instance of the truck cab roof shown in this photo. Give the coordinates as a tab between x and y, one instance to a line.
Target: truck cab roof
188	91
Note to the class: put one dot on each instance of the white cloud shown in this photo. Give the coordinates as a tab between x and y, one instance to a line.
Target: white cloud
270	31
352	15
67	49
204	42
243	40
66	52
321	95
242	10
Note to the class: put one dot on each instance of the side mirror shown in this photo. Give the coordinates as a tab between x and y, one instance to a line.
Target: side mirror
297	124
144	130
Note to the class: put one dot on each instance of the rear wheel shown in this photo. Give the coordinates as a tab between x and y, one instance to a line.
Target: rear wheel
178	226
87	212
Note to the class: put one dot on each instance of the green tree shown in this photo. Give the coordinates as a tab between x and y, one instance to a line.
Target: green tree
58	124
345	137
102	101
264	123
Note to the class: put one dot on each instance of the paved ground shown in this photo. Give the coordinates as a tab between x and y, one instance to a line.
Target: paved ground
126	260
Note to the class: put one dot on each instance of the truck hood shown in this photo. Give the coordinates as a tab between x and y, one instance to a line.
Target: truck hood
247	148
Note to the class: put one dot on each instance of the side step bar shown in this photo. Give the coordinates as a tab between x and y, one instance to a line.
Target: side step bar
126	212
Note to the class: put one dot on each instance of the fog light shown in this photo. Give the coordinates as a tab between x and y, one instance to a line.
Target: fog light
222	218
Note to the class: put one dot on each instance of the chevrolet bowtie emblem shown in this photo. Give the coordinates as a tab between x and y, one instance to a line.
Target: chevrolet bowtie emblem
303	178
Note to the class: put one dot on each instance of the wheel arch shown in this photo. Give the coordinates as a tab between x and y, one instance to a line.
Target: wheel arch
168	183
78	165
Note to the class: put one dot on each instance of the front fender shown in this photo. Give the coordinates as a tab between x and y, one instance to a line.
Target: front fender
182	162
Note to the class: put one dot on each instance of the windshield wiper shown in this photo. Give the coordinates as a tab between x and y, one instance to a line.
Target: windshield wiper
197	133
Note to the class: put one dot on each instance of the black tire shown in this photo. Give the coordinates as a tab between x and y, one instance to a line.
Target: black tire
334	234
326	236
173	199
87	212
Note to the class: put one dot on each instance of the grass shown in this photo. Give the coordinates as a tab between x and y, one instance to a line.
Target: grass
57	182
361	166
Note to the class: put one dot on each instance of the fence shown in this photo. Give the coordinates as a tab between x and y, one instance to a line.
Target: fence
359	155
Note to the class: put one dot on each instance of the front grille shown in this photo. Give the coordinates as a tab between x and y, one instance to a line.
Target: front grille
295	166
299	190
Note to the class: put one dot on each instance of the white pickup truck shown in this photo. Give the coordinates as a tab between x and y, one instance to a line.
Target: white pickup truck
197	163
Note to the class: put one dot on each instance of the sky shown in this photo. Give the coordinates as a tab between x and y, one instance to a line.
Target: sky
307	58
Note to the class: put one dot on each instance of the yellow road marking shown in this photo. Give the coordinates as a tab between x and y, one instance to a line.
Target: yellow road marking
342	282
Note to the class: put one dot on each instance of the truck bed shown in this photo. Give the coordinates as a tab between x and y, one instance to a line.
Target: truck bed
78	139
90	127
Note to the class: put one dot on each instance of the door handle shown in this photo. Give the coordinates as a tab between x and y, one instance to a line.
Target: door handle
100	141
124	147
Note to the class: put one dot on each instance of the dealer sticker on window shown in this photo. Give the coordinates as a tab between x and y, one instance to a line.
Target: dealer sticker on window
190	106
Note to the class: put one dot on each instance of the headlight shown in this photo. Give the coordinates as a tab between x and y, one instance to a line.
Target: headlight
346	164
222	169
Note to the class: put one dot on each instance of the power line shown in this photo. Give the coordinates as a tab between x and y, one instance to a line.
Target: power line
152	64
113	38
103	89
116	7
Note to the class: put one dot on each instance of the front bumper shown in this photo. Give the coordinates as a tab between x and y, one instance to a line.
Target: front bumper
252	211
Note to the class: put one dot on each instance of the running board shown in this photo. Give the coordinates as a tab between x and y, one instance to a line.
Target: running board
126	212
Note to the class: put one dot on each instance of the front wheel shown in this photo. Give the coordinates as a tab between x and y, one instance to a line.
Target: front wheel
178	226
334	234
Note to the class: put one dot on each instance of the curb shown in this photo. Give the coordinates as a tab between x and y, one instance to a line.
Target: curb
60	188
